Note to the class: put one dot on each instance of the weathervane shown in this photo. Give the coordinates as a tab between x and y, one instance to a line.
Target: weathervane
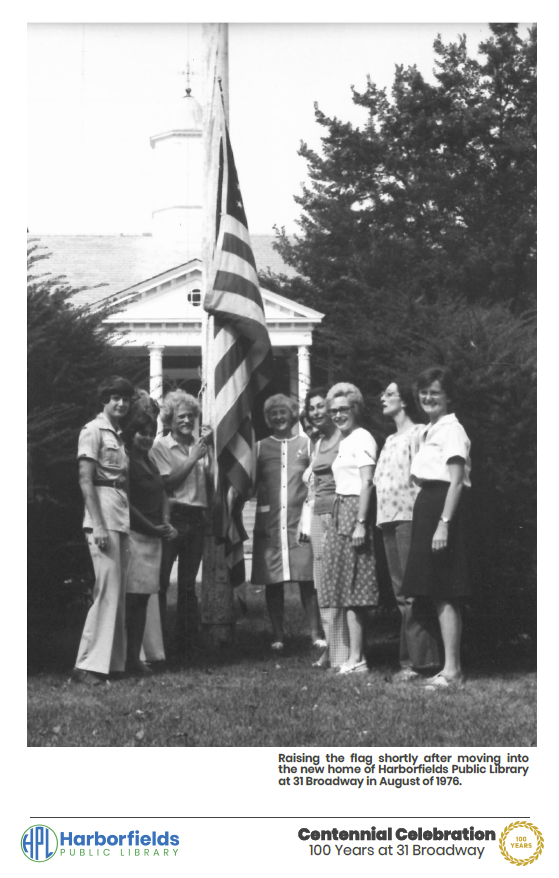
188	73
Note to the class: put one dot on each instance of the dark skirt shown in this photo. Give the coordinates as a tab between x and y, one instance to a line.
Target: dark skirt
440	575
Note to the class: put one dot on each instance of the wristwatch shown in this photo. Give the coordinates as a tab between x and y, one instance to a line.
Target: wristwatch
361	521
446	520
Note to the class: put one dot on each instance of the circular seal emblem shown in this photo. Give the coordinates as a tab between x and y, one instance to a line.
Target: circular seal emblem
521	843
39	843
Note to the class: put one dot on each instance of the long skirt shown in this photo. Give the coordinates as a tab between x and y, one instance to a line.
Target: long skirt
440	575
334	619
349	574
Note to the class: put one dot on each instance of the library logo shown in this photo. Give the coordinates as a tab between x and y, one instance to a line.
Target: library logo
39	843
521	843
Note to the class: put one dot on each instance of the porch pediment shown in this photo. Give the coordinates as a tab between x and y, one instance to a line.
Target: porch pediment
176	296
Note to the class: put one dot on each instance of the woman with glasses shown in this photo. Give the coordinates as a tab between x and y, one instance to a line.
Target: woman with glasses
349	570
396	495
437	561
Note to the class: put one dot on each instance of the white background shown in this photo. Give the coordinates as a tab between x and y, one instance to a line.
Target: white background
115	785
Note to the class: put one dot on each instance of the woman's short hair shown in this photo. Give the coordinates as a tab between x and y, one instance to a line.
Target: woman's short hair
351	392
172	401
322	392
408	398
283	401
113	386
436	373
142	422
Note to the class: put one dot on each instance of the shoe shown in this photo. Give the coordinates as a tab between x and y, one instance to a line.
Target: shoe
277	646
320	643
358	668
404	675
90	678
440	682
138	669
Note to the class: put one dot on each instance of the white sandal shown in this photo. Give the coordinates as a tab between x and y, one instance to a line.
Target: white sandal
358	668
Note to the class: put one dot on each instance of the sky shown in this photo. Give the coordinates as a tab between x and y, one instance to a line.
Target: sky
97	92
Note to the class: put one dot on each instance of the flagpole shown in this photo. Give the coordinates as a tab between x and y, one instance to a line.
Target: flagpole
217	606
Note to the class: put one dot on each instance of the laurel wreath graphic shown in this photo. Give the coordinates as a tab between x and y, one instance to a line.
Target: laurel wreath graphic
514	860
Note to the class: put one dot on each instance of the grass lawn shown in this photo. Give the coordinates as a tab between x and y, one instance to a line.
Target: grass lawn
244	696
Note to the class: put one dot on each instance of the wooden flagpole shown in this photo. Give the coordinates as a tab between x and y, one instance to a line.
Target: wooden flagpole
217	605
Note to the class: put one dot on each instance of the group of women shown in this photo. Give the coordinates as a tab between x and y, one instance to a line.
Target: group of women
145	500
314	524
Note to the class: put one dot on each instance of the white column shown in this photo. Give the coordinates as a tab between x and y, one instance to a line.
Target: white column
156	371
304	361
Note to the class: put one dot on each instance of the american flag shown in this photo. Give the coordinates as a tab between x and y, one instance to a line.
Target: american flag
242	354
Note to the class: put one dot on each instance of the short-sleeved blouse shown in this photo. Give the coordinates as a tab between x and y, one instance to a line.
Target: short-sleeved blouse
101	442
356	450
438	444
396	492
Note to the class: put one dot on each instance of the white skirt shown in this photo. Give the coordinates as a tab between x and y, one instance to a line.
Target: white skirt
142	576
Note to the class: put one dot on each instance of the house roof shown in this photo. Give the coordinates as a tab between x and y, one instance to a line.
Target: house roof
108	264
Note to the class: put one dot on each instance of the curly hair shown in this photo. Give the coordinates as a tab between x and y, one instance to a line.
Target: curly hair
279	399
172	401
353	394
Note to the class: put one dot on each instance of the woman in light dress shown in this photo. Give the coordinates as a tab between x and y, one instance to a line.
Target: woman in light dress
278	556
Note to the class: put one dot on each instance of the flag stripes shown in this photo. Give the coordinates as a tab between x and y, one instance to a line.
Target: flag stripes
241	350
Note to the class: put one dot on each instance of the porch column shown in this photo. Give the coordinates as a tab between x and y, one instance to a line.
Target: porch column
304	363
156	371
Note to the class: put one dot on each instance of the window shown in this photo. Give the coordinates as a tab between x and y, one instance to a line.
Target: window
194	297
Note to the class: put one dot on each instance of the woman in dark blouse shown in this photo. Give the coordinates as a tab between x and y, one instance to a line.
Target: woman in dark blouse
149	524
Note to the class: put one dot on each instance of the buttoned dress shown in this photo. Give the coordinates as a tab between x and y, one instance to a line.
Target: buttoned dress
103	641
277	555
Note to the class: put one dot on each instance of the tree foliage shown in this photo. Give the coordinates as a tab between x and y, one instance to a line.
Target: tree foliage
437	192
418	243
70	350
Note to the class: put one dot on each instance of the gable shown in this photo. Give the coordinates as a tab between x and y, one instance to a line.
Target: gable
176	296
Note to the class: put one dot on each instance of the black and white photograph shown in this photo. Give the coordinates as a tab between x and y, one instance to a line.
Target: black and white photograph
281	385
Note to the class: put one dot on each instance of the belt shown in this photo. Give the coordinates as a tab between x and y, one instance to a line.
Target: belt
186	509
106	483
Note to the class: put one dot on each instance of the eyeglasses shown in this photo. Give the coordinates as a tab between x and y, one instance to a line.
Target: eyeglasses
389	394
428	394
343	410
